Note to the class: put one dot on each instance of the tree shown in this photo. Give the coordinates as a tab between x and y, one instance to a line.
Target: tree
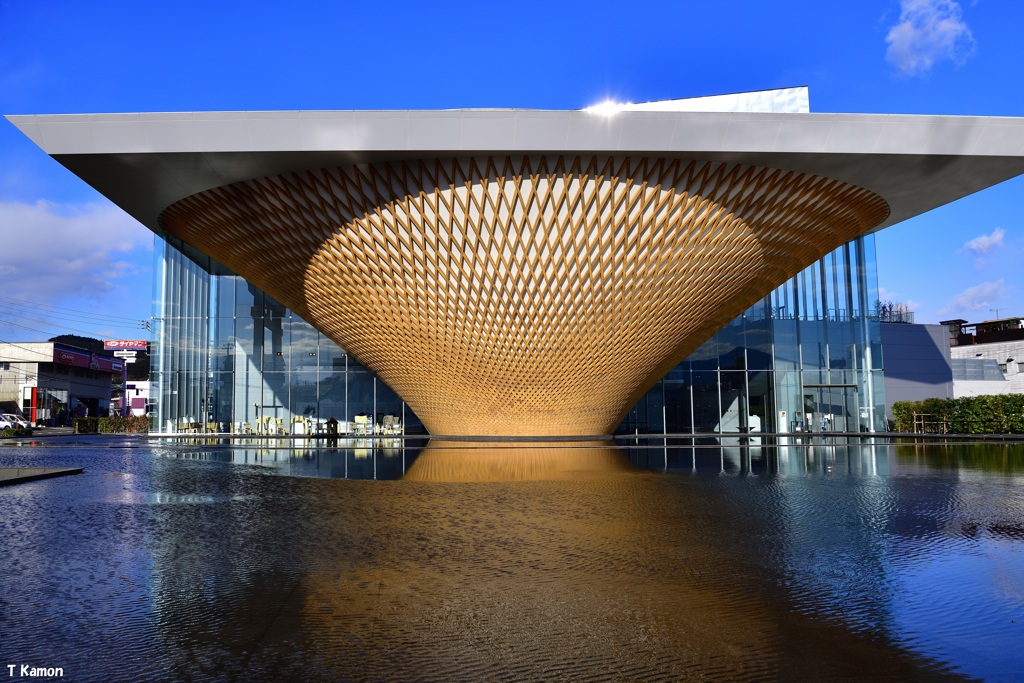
893	312
87	343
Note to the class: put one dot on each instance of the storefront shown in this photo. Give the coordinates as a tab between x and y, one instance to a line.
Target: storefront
54	383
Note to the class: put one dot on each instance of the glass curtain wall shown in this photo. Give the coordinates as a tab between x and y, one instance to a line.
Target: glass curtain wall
227	356
807	357
180	360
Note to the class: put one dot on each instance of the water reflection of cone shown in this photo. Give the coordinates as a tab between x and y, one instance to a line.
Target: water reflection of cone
496	461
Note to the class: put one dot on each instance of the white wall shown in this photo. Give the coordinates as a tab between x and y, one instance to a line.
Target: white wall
999	352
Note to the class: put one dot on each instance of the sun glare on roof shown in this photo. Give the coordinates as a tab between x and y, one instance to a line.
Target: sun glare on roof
607	108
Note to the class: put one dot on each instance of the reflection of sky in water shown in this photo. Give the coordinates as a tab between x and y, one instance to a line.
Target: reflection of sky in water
961	603
959	570
932	555
154	553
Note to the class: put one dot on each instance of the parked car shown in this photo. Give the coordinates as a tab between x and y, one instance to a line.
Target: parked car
4	424
15	421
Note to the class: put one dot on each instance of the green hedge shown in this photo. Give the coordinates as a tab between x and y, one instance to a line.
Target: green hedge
16	431
119	424
115	424
87	425
998	414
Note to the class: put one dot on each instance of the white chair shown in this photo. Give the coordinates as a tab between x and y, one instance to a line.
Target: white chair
363	425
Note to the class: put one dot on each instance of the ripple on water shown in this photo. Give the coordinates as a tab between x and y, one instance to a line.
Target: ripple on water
199	570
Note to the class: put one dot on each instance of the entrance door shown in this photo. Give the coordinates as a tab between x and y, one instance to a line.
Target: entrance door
831	408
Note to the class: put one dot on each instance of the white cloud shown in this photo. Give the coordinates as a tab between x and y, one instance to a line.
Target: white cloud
52	251
976	298
985	243
928	31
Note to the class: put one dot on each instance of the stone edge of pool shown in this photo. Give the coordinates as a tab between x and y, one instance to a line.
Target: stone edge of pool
20	475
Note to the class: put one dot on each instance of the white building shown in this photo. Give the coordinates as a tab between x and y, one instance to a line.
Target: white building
988	357
50	383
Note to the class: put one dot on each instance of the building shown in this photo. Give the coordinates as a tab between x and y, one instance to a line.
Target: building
917	363
806	357
134	353
229	352
139	397
50	383
978	377
953	359
988	357
536	273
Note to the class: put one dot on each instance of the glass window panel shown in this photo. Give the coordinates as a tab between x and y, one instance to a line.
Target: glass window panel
360	391
786	349
222	344
840	345
680	371
303	348
678	407
222	398
705	358
761	417
759	347
225	296
303	397
332	396
388	402
812	345
636	419
656	410
273	342
787	399
248	390
706	409
275	395
248	299
332	359
244	340
877	420
277	384
730	342
732	388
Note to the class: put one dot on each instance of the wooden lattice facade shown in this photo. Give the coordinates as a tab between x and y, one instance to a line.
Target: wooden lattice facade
523	295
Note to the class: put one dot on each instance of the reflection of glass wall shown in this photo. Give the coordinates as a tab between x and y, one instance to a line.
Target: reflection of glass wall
806	357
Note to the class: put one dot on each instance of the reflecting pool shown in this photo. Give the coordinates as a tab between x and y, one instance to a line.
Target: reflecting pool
390	560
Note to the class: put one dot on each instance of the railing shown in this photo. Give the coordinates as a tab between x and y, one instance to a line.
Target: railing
925	423
887	316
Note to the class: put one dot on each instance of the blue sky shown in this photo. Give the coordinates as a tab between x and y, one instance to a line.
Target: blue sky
63	245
